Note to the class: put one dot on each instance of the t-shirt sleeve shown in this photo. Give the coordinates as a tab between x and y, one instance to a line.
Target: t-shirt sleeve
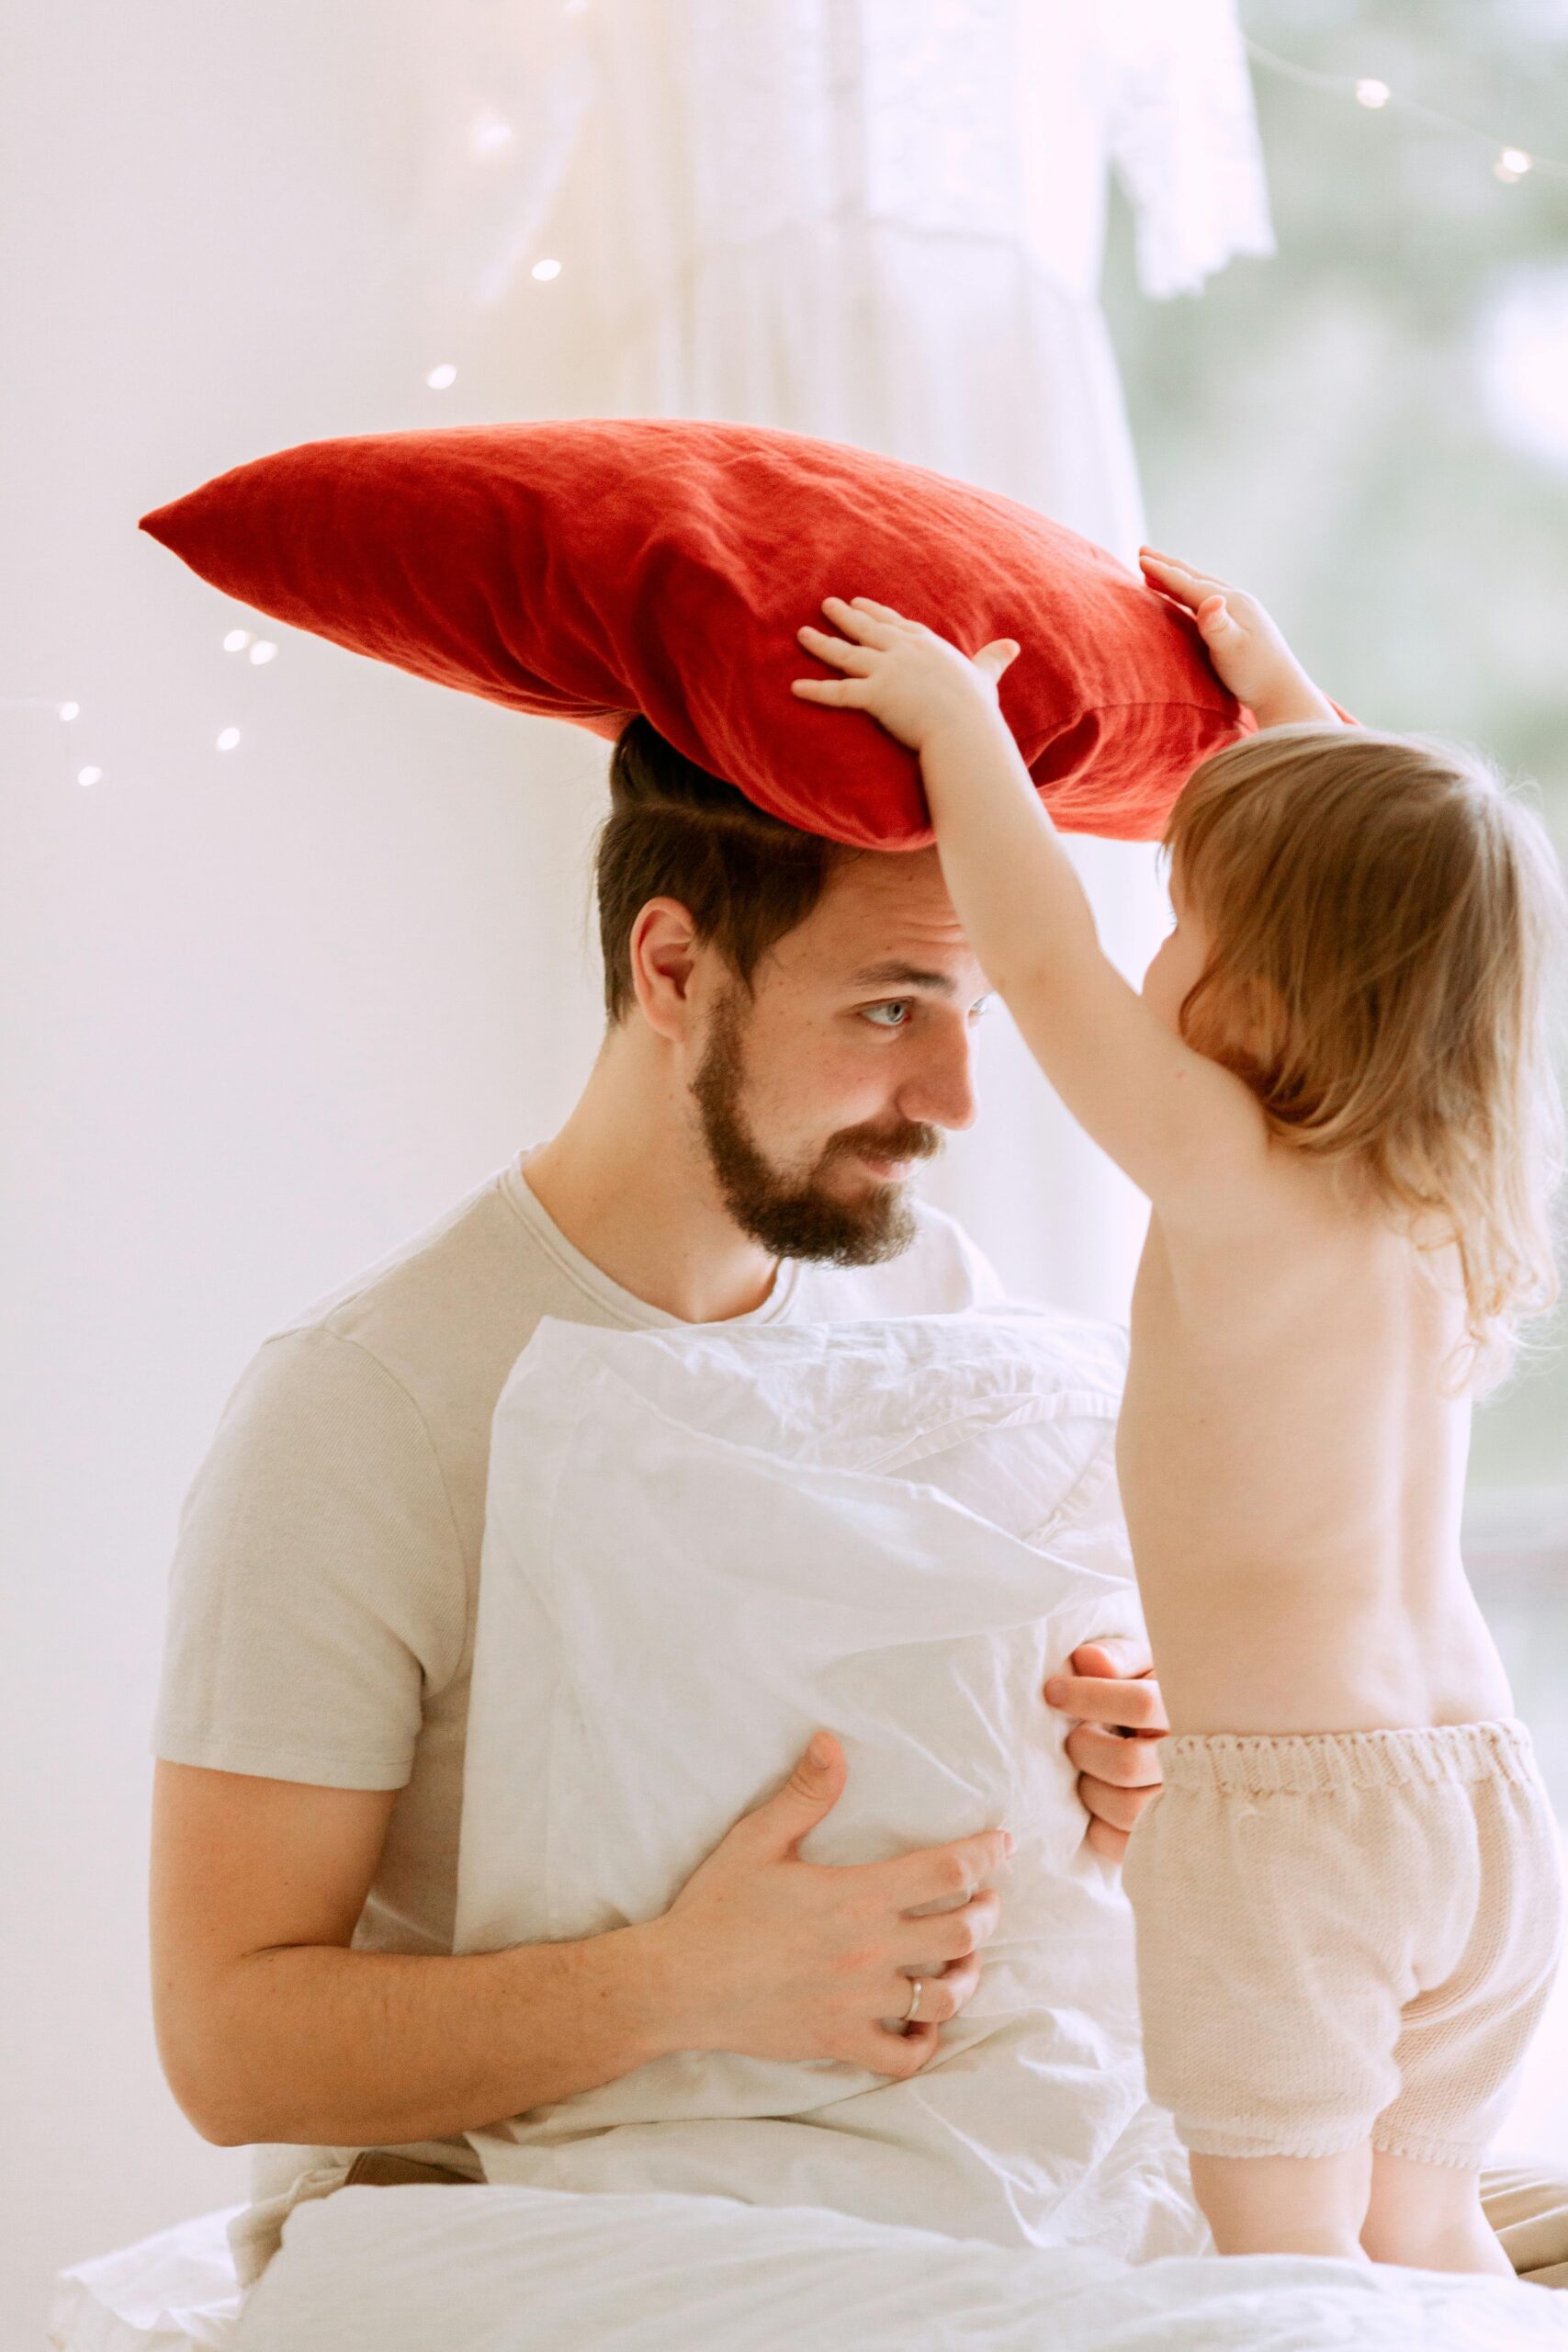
318	1584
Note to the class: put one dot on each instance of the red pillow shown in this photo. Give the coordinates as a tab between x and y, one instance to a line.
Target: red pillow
592	570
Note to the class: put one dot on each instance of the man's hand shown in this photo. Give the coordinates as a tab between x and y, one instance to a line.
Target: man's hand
1246	647
1119	1722
774	1956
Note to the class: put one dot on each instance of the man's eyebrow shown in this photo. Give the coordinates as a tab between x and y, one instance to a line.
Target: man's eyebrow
895	975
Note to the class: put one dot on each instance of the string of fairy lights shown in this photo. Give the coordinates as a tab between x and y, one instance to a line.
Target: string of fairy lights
491	135
1509	163
259	650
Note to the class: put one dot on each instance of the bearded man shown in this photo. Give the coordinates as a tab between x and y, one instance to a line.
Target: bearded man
790	1027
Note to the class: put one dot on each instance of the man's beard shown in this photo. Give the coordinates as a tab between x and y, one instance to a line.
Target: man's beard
796	1216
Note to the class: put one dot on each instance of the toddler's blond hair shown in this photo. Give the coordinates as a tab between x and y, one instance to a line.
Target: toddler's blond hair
1382	915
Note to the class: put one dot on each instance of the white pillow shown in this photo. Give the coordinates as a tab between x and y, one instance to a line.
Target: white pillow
700	1544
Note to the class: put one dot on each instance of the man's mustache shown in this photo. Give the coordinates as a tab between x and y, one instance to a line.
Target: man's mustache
907	1142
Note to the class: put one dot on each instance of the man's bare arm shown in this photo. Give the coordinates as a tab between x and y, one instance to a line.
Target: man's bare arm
271	2027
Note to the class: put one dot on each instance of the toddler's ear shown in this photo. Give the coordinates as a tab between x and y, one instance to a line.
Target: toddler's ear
1242	1023
1267	1021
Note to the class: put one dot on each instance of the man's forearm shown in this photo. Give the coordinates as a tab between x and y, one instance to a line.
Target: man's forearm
342	2048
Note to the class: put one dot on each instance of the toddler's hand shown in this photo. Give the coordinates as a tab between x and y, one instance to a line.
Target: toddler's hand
1245	648
915	682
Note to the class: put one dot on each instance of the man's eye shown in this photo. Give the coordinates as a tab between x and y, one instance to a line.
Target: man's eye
892	1015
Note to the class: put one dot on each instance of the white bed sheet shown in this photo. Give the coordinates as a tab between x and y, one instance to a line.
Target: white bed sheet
505	2269
173	2292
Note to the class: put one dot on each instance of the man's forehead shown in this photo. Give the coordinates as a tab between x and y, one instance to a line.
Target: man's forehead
883	921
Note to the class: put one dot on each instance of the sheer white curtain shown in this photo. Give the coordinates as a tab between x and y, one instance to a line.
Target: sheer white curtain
880	220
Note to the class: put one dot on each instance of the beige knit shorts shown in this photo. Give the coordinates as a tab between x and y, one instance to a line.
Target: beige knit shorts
1343	1936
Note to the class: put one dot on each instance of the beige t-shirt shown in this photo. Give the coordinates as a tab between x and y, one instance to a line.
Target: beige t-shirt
322	1595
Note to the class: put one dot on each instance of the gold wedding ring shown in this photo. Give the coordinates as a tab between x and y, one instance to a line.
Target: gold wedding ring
914	2009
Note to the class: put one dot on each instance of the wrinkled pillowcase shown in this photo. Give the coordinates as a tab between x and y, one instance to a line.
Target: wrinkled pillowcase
591	570
702	1544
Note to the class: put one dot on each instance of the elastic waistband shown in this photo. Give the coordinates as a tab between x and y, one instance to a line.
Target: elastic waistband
1313	1762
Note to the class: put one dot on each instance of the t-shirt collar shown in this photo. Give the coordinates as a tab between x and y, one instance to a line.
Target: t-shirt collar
622	1304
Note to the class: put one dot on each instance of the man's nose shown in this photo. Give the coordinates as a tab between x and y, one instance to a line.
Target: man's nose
940	1092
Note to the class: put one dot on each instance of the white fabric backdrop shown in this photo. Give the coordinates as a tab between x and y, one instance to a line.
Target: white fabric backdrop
879	220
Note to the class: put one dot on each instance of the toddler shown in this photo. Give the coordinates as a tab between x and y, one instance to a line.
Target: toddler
1335	1092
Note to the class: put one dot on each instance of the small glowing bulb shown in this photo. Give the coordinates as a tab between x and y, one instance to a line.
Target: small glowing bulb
544	270
439	377
1512	165
1373	94
262	650
89	775
71	710
489	135
229	737
236	640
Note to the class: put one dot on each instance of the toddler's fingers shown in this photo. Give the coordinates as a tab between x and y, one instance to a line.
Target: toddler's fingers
1186	577
1173	563
1171	580
1152	561
855	624
856	658
849	694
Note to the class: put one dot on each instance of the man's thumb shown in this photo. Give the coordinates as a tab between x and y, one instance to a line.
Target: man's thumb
809	1794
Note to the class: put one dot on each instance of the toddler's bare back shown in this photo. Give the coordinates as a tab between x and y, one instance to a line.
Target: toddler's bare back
1292	1472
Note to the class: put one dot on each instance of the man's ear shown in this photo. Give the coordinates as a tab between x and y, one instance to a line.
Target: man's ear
663	948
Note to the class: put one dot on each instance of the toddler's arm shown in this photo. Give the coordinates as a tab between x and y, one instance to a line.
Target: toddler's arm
1184	1129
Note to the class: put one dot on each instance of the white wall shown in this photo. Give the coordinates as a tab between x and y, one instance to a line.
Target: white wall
266	1012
